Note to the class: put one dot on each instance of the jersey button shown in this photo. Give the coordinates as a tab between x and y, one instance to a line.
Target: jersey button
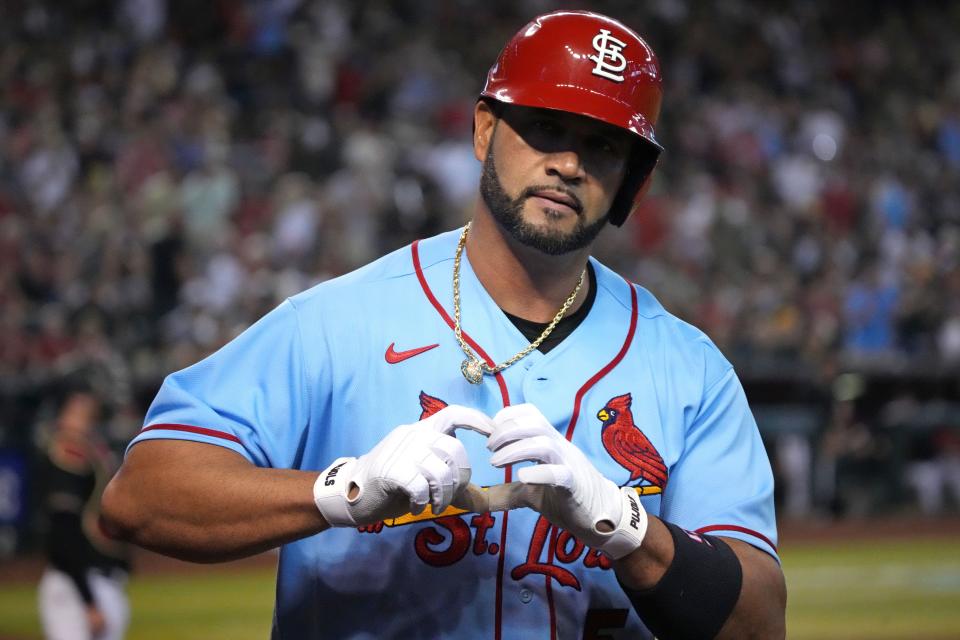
526	596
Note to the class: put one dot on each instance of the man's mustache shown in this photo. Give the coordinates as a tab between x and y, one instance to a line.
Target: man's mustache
530	192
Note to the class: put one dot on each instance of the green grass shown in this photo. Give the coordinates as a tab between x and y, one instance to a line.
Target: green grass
837	591
874	590
219	606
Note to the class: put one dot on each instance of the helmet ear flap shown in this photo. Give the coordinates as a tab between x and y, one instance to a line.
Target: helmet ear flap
636	182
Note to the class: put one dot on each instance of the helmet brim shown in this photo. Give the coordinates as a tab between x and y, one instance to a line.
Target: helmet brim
579	101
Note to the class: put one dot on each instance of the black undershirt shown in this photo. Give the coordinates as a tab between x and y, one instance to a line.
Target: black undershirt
532	330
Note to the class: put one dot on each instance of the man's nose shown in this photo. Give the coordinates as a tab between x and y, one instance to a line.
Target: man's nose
566	164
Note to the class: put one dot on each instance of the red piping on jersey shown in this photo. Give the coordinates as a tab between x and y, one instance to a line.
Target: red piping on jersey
610	365
552	609
738	528
505	396
498	614
627	341
201	430
446	318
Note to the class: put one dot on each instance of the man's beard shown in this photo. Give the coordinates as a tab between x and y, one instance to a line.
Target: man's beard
509	214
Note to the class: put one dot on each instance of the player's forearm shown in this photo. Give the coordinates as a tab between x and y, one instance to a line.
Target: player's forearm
759	611
643	568
761	608
204	503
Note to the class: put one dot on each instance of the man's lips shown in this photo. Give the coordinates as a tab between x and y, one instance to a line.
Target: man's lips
549	198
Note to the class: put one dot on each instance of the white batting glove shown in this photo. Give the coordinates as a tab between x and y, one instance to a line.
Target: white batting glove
413	466
565	487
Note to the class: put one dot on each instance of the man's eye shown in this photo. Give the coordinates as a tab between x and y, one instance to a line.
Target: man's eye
546	126
603	145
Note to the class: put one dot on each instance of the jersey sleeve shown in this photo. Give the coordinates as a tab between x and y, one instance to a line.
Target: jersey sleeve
250	396
723	484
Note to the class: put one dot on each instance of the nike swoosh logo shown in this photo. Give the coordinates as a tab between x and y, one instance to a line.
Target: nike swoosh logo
393	357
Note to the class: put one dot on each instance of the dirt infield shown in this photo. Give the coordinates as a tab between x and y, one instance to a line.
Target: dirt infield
146	563
796	533
813	531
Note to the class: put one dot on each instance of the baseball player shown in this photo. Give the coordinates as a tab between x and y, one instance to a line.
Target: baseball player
512	440
82	593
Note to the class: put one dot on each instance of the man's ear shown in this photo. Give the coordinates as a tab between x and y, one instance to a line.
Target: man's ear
484	123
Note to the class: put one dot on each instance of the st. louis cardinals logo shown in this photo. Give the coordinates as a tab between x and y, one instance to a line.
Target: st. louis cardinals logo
609	58
632	450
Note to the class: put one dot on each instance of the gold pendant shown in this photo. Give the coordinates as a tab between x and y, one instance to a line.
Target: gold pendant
471	370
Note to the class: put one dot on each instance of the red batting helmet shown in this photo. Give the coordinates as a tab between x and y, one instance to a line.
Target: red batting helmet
591	65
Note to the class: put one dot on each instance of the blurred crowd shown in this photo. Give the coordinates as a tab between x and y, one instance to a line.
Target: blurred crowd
171	170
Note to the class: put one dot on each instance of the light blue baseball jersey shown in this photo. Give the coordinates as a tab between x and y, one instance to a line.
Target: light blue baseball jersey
328	373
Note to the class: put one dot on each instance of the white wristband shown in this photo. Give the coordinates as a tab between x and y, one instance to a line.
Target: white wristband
632	528
330	493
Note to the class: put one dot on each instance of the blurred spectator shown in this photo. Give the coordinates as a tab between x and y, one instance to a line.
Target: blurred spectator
869	313
171	170
854	458
794	466
934	474
82	593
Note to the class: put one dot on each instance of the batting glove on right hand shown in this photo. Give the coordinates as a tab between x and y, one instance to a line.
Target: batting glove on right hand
565	487
414	465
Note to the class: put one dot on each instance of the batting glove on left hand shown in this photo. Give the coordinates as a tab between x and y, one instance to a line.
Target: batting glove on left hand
413	466
565	487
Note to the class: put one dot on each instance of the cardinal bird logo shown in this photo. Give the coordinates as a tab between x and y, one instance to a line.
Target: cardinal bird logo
430	405
626	444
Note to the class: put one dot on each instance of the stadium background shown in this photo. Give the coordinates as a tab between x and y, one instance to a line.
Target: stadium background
171	170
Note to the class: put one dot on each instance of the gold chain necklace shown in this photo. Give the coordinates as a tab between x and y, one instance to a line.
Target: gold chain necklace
473	367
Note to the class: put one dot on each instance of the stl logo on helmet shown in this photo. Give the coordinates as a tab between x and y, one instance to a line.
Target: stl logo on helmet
610	61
